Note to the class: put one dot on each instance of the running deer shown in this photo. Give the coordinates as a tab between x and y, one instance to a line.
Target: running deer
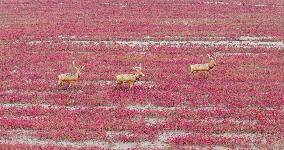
203	67
130	78
70	78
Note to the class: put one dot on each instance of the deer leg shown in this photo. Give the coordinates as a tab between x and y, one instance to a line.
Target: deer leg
118	84
191	72
69	84
59	83
131	84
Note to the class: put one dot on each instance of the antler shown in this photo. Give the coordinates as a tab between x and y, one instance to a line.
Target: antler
73	62
138	67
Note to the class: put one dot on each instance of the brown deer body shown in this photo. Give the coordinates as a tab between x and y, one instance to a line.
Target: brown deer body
130	78
70	78
203	67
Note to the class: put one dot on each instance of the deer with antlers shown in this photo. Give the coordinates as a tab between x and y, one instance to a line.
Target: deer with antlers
130	78
203	67
70	78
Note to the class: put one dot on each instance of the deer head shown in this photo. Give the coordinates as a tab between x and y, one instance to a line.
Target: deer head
212	62
138	70
78	69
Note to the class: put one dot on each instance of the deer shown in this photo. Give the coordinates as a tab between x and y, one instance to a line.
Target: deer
70	78
203	67
130	78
